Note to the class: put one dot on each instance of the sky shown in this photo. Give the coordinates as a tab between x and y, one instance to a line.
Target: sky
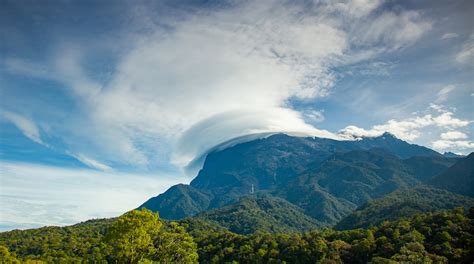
104	104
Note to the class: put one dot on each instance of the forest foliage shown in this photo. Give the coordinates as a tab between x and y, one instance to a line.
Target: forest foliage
138	236
141	237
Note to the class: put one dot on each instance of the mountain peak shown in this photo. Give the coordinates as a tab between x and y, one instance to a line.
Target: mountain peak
388	135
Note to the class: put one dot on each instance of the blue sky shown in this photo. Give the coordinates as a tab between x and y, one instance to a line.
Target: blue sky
104	104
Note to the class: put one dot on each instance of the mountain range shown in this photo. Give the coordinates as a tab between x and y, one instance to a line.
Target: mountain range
282	182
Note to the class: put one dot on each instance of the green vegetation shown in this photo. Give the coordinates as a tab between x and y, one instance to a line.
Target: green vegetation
141	237
301	184
138	236
327	179
262	213
459	178
425	238
402	204
178	202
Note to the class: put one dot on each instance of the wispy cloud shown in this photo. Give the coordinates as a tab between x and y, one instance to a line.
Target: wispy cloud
466	54
35	195
449	35
25	125
444	92
91	162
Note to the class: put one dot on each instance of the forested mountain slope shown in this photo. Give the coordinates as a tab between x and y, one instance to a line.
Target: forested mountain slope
326	178
459	178
260	213
403	203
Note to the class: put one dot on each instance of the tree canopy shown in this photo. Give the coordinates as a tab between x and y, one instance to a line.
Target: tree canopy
141	237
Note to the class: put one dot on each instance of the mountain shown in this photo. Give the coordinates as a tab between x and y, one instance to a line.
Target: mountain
403	203
262	213
459	178
326	178
426	167
347	180
452	155
396	146
178	202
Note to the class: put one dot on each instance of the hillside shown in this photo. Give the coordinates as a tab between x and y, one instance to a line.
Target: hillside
426	238
459	178
78	242
403	204
326	178
262	213
178	202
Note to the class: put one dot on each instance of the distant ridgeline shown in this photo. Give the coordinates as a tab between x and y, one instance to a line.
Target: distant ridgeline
302	183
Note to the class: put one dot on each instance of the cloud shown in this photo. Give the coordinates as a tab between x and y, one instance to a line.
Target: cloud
374	68
91	162
35	195
466	54
19	66
452	145
234	124
438	108
393	31
165	88
453	135
25	125
248	57
444	92
408	129
314	115
357	8
449	35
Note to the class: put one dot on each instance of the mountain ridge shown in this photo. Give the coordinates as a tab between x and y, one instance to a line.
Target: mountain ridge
305	171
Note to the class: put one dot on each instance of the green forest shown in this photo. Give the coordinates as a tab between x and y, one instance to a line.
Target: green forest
140	236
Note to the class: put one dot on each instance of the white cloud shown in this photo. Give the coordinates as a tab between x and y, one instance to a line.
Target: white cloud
226	126
357	132
408	129
25	125
449	35
91	162
245	64
444	92
453	135
35	195
452	145
252	57
446	119
314	115
438	108
392	30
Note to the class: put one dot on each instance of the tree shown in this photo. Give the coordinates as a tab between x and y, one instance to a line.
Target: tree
6	257
131	236
140	237
174	245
